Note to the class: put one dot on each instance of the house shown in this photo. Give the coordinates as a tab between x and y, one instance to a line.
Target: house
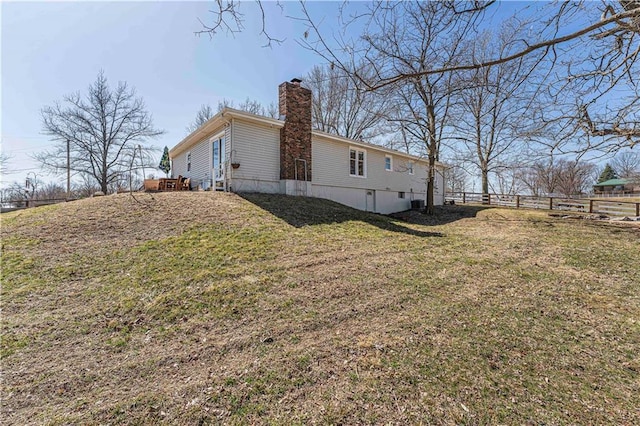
617	186
242	152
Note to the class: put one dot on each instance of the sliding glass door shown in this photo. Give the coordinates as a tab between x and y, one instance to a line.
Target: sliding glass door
218	162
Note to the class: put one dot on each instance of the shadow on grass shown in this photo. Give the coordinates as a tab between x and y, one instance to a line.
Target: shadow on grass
306	211
443	214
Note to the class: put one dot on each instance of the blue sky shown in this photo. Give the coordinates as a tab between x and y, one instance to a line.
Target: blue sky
53	49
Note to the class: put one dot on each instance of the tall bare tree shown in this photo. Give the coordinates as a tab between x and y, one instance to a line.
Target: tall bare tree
493	104
102	129
341	107
407	37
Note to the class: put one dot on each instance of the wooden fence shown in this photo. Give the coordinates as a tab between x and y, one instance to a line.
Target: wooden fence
605	207
27	203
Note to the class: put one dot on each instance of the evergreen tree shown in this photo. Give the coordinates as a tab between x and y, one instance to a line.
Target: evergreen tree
165	163
607	174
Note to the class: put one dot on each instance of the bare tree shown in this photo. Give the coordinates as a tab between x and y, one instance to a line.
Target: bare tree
541	178
204	113
252	106
13	195
341	107
506	180
558	176
592	47
574	177
456	179
493	104
101	129
272	110
50	191
405	38
627	164
86	187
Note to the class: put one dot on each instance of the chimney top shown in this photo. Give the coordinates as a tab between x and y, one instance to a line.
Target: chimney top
296	81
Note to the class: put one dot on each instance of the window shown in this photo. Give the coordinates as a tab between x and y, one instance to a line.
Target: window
410	167
400	194
388	163
357	162
188	161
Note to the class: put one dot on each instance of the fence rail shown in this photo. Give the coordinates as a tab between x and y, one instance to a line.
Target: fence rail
605	207
27	203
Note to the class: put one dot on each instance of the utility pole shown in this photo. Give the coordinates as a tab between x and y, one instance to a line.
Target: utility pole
68	170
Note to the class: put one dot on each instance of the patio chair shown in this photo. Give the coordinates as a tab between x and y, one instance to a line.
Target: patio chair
185	185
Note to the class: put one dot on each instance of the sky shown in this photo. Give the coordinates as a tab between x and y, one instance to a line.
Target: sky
51	49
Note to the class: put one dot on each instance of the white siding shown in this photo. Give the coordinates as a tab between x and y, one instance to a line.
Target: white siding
201	162
331	167
331	178
256	148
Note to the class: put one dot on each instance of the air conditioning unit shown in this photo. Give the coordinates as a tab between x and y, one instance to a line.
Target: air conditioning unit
417	204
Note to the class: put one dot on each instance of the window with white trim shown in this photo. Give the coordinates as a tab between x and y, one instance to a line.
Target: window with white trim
189	161
388	163
357	162
410	167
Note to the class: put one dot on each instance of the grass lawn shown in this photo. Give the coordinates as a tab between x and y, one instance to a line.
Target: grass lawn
209	308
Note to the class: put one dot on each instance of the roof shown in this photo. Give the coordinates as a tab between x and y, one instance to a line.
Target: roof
613	182
225	116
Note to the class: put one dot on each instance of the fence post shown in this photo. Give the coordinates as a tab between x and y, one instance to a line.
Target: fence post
550	203
590	206
464	197
637	209
517	201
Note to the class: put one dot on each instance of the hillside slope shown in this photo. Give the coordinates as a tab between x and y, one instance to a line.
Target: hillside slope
208	308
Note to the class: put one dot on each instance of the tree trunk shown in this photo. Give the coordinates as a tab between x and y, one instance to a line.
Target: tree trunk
103	180
430	185
433	153
485	181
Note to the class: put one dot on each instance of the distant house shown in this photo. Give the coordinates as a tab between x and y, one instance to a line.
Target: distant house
242	152
617	186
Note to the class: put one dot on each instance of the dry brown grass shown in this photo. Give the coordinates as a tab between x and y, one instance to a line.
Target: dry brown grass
206	308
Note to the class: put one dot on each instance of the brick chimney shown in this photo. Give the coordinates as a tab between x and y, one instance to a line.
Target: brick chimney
295	136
